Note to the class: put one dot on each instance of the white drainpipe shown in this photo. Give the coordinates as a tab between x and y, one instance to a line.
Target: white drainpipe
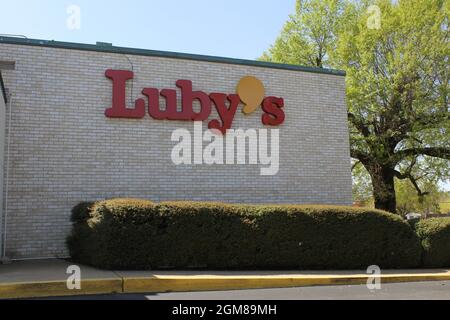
3	258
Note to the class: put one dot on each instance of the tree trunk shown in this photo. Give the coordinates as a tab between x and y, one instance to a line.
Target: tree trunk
383	187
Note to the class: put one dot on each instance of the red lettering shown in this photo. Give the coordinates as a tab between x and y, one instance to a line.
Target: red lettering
226	114
119	108
187	98
153	103
226	105
170	113
171	106
273	115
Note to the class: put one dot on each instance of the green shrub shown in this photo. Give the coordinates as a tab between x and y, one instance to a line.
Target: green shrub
78	239
82	242
136	234
434	234
81	211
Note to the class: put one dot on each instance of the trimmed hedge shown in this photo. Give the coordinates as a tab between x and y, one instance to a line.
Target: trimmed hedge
81	211
139	234
434	234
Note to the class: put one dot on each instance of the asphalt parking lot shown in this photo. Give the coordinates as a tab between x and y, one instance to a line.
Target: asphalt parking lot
429	290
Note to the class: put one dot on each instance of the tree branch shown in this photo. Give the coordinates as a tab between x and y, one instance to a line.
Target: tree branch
355	164
359	125
407	172
361	156
437	152
416	186
407	175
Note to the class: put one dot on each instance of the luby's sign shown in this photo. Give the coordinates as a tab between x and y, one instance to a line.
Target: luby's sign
250	91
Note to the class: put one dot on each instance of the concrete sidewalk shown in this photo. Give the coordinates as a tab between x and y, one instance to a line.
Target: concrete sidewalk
45	278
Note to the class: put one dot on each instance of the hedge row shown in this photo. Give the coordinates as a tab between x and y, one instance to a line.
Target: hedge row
434	234
138	234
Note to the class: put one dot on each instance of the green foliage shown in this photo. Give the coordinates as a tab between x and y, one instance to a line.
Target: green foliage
398	73
408	200
444	205
86	215
122	234
81	211
309	34
361	185
435	237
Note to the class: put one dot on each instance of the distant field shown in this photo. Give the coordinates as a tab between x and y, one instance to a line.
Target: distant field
445	207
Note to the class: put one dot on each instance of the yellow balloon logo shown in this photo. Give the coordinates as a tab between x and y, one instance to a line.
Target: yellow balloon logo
251	91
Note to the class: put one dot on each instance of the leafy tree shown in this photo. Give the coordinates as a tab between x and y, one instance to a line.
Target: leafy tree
361	187
310	34
407	201
397	81
409	196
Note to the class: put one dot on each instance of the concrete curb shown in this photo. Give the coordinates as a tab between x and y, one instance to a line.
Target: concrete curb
36	289
208	283
197	283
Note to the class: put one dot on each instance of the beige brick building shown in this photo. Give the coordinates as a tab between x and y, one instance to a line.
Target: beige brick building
63	149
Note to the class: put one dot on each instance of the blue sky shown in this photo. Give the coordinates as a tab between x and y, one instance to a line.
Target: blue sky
230	28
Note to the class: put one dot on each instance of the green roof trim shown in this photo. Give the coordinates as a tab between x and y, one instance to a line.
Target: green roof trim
2	88
164	54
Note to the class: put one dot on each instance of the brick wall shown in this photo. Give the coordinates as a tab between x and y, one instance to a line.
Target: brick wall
64	150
